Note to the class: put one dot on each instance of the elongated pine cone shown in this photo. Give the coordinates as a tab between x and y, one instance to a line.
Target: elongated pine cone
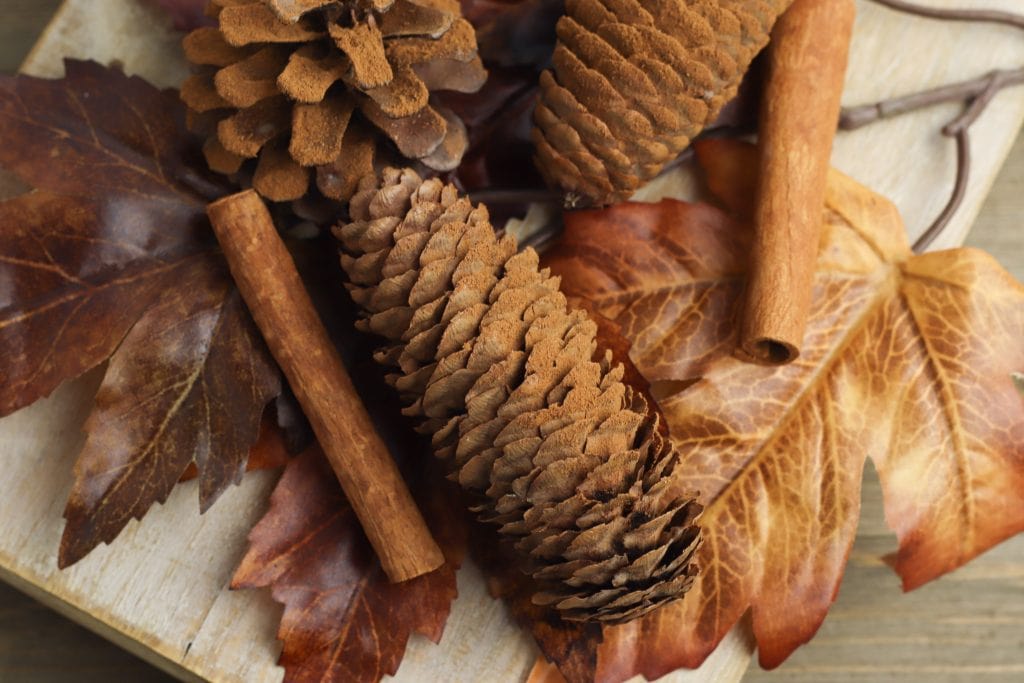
634	81
532	420
315	86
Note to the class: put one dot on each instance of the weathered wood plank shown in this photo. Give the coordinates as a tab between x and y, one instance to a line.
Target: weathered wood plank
159	589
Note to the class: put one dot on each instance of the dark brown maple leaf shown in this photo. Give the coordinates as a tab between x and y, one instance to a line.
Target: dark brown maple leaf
110	256
343	620
908	359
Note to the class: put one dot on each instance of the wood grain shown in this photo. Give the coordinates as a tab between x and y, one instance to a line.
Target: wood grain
159	590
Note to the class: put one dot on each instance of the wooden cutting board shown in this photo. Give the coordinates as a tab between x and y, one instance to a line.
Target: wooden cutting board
160	589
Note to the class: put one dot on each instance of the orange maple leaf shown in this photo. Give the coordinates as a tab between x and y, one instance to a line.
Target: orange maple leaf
908	359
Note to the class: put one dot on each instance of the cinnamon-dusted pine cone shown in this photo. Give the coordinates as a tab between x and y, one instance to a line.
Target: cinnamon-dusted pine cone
532	420
310	87
634	81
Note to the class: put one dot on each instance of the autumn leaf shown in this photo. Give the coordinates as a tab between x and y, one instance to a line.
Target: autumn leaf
343	620
544	671
907	359
110	256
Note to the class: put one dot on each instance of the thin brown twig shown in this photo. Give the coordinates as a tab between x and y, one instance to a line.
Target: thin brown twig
994	82
852	118
978	15
963	172
959	129
494	196
976	94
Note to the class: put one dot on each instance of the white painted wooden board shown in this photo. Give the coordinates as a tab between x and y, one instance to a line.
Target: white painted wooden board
160	588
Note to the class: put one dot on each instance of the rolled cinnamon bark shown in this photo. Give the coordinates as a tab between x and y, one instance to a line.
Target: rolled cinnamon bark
800	111
266	276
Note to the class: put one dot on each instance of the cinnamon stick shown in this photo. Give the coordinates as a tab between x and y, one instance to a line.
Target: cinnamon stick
270	285
807	66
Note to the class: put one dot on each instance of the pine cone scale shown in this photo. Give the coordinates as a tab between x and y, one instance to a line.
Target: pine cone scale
409	19
291	11
207	47
252	23
246	83
363	44
307	77
318	130
384	57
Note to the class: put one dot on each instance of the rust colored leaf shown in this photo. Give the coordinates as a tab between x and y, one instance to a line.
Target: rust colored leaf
343	620
109	255
909	360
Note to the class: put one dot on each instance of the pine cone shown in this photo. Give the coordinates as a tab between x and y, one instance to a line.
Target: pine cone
535	424
310	84
634	81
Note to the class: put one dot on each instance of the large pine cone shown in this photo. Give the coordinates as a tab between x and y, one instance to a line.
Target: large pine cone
311	84
634	81
534	423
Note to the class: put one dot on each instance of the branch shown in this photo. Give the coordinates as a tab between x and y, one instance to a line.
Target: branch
978	15
976	94
852	118
963	172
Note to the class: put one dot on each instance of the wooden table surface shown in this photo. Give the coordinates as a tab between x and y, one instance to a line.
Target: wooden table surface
874	633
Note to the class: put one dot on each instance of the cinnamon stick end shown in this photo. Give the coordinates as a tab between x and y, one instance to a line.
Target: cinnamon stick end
767	351
227	204
409	565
